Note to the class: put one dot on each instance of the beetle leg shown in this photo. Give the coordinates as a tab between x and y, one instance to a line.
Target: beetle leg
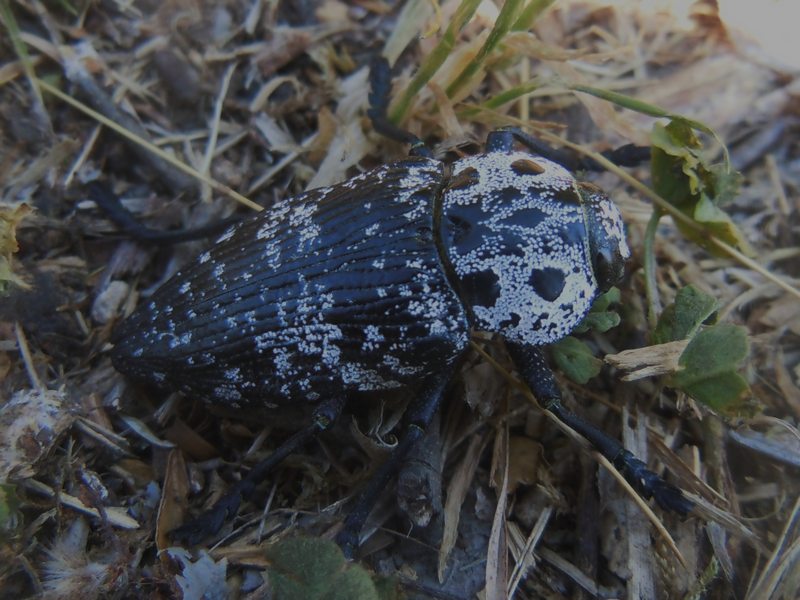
417	418
380	80
419	482
537	374
629	155
110	204
226	507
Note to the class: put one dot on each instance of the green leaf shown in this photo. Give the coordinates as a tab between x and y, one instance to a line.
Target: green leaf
312	568
573	356
727	183
718	223
599	318
709	369
599	321
674	162
682	176
604	301
682	318
575	359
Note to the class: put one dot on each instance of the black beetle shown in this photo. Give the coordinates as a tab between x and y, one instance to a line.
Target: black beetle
374	284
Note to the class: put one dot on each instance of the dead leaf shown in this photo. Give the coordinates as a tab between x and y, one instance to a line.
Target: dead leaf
174	497
649	361
10	218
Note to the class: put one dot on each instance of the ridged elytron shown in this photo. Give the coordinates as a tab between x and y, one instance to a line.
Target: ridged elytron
375	283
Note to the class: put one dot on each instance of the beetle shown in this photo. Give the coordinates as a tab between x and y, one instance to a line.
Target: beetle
375	284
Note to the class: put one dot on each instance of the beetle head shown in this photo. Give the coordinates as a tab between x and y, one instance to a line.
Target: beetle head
608	249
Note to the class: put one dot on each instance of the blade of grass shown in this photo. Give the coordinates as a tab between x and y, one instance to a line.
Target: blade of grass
505	20
502	98
21	50
646	108
211	144
530	13
650	284
435	60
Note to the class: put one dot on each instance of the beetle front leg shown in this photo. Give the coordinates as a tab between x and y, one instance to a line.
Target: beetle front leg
211	521
537	374
417	418
111	205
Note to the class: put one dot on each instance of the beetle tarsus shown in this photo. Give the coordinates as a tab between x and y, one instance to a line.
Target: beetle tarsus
419	482
348	537
347	540
629	155
646	482
210	522
650	485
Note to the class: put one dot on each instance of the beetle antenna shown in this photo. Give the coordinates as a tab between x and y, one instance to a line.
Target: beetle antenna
629	155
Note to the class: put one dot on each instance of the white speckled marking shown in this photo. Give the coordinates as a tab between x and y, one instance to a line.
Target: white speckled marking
520	246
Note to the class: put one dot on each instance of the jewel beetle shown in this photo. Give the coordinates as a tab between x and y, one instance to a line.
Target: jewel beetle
374	284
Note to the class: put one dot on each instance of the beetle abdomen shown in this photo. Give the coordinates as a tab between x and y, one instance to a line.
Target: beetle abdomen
339	289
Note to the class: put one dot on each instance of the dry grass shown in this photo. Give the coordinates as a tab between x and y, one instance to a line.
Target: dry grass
268	99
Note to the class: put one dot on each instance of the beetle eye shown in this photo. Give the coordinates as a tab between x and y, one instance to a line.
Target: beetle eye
602	270
607	247
608	266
